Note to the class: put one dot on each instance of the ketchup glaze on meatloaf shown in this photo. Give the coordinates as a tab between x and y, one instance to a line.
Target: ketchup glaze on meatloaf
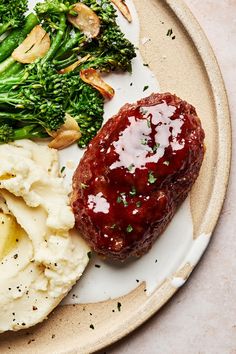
135	173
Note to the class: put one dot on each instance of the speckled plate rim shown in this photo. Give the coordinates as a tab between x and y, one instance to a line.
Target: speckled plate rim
167	290
136	306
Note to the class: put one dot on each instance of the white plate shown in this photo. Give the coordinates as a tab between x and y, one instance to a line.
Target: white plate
186	66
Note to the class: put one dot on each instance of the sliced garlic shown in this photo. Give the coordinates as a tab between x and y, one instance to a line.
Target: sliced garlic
121	5
64	139
35	46
92	77
66	135
75	65
86	20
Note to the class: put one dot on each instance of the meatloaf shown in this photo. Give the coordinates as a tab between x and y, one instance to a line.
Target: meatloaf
135	174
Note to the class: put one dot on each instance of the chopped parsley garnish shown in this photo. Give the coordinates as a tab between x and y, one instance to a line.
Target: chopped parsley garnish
63	169
138	204
145	88
155	147
148	123
142	110
113	226
121	199
169	33
133	191
119	306
166	163
129	228
125	203
130	168
144	141
151	178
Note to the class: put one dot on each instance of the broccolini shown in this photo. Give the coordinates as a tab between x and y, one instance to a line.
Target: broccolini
12	14
34	98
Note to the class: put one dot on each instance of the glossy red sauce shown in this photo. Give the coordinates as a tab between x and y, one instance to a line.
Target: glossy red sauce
134	166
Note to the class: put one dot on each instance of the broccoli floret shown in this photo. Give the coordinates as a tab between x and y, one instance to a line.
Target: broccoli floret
113	52
35	98
12	14
44	96
6	133
52	7
114	41
86	105
103	9
24	118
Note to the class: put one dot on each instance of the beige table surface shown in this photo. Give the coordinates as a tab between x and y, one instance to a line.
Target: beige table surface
201	318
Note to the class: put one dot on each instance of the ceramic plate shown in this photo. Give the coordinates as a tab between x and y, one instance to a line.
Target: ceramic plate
112	300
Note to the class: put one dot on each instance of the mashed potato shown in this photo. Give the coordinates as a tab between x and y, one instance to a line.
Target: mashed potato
40	258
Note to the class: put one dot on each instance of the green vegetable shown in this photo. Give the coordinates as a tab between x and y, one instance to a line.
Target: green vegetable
16	37
113	51
86	105
8	133
52	7
103	9
12	14
34	98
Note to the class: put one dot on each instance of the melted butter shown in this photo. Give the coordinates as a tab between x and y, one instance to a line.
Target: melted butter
10	234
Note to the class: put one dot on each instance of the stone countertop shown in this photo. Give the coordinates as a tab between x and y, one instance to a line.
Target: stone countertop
201	317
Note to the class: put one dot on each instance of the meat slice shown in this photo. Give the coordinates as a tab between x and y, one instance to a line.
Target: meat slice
135	173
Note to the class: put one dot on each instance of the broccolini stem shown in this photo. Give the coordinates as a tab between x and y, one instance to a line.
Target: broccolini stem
4	28
5	98
6	64
29	132
14	69
16	37
57	41
70	44
61	64
7	83
16	117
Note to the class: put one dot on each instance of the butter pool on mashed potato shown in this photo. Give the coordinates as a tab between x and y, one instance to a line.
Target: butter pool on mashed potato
40	258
